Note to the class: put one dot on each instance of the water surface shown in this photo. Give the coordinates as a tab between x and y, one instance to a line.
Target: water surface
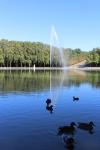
26	123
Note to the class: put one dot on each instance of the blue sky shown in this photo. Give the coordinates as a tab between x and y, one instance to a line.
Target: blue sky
77	22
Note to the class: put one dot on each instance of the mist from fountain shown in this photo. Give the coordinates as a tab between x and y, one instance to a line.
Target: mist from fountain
57	58
56	84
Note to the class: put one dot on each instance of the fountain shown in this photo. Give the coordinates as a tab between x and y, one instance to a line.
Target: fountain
57	58
57	61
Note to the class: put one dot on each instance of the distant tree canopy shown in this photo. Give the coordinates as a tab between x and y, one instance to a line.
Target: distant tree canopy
93	58
26	54
75	56
14	54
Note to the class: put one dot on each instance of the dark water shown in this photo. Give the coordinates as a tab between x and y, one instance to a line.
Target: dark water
26	123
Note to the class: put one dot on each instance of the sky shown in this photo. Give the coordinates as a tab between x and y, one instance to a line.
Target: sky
77	22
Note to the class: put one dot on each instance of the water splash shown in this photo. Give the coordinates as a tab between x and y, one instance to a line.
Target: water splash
57	58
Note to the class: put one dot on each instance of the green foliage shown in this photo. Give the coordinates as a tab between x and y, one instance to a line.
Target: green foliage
1	57
25	54
75	56
20	54
93	58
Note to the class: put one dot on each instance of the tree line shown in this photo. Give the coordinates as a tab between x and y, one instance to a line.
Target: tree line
26	54
93	58
23	54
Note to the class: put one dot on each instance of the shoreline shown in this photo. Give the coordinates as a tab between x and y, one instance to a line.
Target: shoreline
48	68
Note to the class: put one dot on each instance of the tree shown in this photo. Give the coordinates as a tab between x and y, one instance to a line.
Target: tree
1	57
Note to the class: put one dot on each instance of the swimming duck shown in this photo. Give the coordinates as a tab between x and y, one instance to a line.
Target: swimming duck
67	129
75	98
48	101
86	126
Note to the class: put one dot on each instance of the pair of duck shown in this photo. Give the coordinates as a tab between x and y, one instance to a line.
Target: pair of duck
71	128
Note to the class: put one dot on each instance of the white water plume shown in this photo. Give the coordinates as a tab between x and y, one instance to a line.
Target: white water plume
57	58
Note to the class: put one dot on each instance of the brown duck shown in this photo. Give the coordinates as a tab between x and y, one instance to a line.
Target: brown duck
67	129
86	126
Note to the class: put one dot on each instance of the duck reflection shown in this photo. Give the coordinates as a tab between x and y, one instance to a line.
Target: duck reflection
67	129
87	126
69	142
49	106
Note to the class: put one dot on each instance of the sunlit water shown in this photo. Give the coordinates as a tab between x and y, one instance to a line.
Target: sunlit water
26	124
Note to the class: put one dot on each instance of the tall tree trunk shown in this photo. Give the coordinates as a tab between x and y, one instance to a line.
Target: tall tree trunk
10	64
21	64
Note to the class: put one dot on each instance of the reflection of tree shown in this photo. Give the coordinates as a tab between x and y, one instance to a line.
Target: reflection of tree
94	78
40	80
25	81
76	78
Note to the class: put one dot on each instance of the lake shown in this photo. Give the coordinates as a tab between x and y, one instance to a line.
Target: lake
26	123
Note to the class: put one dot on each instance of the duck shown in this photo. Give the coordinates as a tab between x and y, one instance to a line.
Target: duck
67	129
75	98
48	101
50	108
86	126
